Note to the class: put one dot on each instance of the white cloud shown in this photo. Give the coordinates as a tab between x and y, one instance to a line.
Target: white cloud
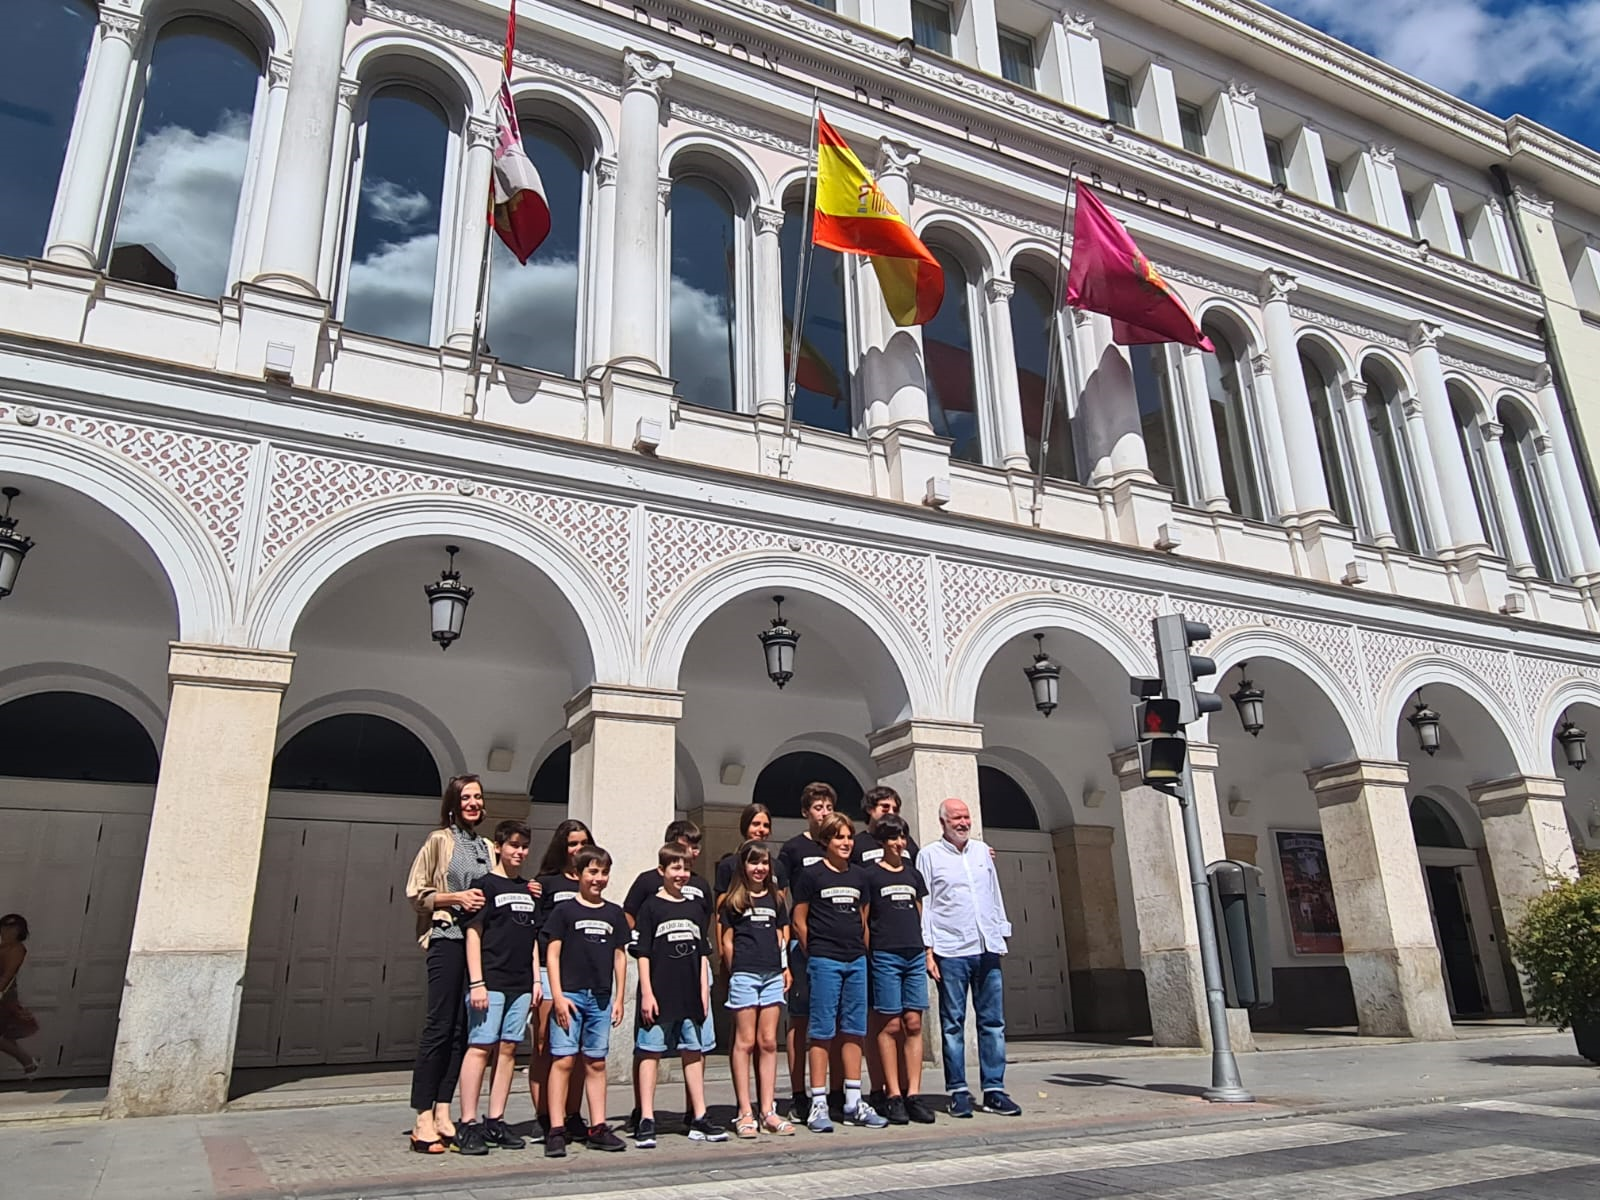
182	199
533	311
391	204
1476	49
700	358
391	290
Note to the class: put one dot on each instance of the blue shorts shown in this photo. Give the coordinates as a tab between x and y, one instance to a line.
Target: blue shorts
696	1037
899	981
800	985
838	998
544	984
503	1021
755	989
590	1033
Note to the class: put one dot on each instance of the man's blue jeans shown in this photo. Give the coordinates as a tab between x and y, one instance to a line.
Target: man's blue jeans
979	974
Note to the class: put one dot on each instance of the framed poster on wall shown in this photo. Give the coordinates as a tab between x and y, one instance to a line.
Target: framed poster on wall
1308	889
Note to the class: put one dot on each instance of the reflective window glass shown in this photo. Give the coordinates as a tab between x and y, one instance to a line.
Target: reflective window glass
1119	98
931	25
822	375
180	201
947	347
1470	443
1516	443
1329	443
1225	372
704	258
1277	161
1032	317
1386	448
42	57
1192	125
533	306
1152	388
1016	58
394	253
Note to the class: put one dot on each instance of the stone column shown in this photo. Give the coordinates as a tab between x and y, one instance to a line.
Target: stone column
892	357
1504	500
291	254
1425	460
1525	832
928	761
1077	54
1561	519
1277	490
1212	495
97	134
1389	948
1013	445
472	220
636	270
1102	999
1461	531
771	378
1571	489
1306	490
604	232
1379	526
338	174
1243	121
191	930
258	206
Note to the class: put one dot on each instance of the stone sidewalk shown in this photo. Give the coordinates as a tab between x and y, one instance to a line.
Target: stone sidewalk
359	1149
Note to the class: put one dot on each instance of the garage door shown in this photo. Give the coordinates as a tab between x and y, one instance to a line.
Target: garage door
88	864
1036	967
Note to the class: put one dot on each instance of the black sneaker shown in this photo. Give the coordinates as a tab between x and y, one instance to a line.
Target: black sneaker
702	1130
496	1134
1001	1105
469	1139
644	1133
601	1137
555	1144
633	1120
577	1132
960	1104
879	1099
800	1108
894	1110
918	1111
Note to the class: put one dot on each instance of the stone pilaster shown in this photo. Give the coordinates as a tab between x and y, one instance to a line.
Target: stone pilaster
1525	832
928	761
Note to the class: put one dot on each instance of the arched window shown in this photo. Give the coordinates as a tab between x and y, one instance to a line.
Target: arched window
180	202
1158	423
1432	825
356	752
1331	444
1522	464
394	248
552	782
701	354
781	781
72	735
1034	317
822	378
1002	801
947	344
1228	395
533	306
42	60
1384	426
1469	440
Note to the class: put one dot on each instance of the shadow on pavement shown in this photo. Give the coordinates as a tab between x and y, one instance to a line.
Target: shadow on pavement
1091	1080
1536	1060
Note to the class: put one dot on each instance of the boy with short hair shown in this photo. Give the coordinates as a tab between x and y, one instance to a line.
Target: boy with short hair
879	802
673	949
502	983
686	834
817	802
897	970
586	956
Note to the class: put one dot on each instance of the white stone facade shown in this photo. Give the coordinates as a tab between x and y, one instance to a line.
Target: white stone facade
236	500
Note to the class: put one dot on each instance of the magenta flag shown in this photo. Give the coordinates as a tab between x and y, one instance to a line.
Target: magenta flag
1109	274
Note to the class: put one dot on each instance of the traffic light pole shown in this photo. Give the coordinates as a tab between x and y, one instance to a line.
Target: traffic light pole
1226	1085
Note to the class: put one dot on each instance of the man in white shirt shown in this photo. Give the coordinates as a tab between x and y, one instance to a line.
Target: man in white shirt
965	929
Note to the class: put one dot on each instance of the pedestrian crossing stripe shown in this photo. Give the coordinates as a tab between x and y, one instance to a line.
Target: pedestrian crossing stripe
1536	1110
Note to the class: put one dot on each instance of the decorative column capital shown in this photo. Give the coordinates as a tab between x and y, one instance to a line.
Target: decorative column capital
1261	364
1355	391
1425	335
278	68
896	158
1543	376
1275	284
644	72
481	133
1382	155
1532	202
1241	92
1491	431
1081	318
605	172
999	290
1079	23
1543	443
769	220
349	89
664	189
1411	406
120	24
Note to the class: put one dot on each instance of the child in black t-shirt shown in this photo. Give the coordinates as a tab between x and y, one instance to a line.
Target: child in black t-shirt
586	955
755	944
898	966
500	985
817	802
674	997
558	883
830	918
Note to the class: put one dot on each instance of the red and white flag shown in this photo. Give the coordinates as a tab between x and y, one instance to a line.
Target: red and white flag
521	213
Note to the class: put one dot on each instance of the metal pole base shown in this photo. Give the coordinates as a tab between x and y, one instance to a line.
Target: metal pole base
1228	1095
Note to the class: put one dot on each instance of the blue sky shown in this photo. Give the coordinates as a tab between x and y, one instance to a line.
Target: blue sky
1541	59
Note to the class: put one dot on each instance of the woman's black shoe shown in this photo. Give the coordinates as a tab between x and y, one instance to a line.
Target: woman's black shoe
497	1135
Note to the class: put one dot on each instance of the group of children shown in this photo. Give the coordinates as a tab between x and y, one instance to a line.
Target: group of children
833	918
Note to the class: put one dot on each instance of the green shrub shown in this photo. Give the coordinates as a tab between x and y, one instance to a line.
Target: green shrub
1557	946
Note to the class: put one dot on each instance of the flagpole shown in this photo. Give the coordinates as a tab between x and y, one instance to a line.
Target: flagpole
1053	370
802	286
479	314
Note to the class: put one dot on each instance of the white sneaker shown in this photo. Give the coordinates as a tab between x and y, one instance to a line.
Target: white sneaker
865	1116
818	1121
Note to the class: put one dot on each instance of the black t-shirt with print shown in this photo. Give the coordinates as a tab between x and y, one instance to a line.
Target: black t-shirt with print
798	853
672	935
558	889
894	922
695	889
730	863
869	849
589	938
507	925
755	933
833	921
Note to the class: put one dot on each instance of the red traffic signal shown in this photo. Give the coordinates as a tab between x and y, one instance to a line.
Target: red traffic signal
1157	718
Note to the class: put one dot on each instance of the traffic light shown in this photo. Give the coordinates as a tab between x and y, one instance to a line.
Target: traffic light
1179	669
1162	748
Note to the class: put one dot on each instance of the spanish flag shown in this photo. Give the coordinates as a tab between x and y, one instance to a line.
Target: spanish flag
854	217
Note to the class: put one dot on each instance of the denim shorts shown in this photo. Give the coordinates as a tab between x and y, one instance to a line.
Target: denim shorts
838	998
682	1035
544	984
800	985
503	1021
755	989
899	981
590	1034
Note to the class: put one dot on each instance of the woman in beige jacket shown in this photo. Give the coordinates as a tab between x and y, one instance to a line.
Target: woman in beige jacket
440	889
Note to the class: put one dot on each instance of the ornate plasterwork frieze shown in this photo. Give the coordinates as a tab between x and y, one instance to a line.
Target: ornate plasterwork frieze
1355	329
1511	378
990	212
738	129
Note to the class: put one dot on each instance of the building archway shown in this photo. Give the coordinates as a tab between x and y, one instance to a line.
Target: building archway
357	752
781	781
